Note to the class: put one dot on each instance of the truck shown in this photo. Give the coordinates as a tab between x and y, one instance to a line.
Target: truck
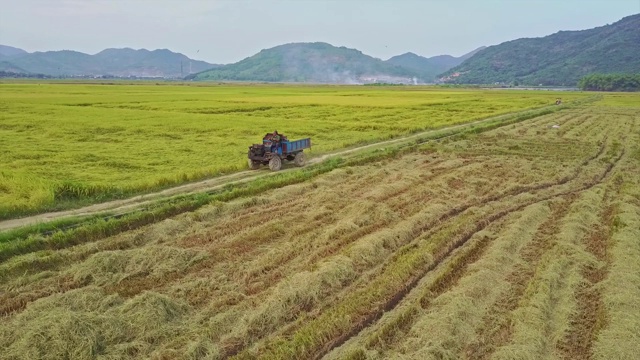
276	148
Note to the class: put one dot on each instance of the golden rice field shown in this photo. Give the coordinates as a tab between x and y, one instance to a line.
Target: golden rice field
516	243
67	144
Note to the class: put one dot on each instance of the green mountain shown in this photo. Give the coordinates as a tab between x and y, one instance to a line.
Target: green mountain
559	59
429	68
314	63
145	63
113	62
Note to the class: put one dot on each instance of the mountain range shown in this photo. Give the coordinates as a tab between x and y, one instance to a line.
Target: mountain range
429	68
320	62
558	59
110	62
562	58
6	51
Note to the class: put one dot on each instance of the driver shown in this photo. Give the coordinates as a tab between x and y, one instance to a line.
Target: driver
275	139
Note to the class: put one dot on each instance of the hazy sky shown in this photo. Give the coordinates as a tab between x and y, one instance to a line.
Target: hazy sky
226	31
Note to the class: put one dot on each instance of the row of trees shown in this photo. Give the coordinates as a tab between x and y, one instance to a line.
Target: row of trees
9	74
610	82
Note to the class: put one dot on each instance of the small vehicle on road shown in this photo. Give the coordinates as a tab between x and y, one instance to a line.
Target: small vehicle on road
276	148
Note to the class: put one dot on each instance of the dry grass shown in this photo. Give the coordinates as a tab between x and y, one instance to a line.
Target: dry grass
618	339
85	323
453	318
542	319
451	331
111	267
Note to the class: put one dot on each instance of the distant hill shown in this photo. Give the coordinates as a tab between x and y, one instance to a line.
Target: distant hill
10	51
429	68
559	59
314	63
114	62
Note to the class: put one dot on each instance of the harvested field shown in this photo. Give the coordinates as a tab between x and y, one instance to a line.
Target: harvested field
515	243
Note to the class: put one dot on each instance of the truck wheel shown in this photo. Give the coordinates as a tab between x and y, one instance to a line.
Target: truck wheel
275	163
300	159
254	165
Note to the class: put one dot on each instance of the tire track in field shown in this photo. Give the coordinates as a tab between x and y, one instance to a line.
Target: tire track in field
456	274
462	254
439	258
589	318
447	276
443	253
587	321
496	328
451	270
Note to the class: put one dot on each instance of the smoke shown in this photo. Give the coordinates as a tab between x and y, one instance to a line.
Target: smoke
306	64
323	63
345	77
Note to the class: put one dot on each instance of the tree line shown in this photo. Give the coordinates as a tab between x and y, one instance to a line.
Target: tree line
610	82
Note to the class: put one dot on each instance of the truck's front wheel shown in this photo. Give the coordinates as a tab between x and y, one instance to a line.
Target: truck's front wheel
254	165
275	163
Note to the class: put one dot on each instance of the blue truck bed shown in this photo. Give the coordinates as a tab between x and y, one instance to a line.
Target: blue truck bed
289	147
295	146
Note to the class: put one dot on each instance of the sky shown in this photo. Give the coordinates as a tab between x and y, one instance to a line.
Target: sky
227	31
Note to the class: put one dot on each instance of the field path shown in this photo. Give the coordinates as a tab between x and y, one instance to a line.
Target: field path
126	205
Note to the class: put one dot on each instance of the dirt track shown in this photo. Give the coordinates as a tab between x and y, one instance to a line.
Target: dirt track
126	205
